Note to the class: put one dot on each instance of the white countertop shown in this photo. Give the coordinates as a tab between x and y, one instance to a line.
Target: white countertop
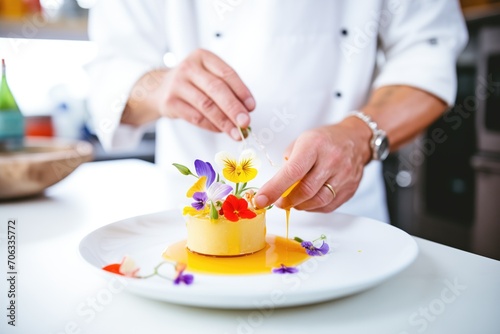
444	291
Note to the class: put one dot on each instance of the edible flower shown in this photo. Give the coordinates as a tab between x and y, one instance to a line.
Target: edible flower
205	169
201	200
202	169
285	270
243	170
181	277
215	193
250	197
235	208
198	186
311	250
189	210
315	251
218	191
212	197
127	268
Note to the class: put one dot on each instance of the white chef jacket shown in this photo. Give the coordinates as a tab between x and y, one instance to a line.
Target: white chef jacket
307	63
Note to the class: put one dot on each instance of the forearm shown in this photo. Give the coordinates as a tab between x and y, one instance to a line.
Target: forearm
402	112
143	104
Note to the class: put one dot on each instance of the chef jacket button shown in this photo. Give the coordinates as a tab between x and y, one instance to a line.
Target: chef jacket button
218	34
433	41
344	32
338	94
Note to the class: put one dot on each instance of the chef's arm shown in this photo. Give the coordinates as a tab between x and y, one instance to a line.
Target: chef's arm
337	153
143	101
401	111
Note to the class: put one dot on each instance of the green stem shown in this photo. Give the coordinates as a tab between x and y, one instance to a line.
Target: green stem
322	237
249	188
155	271
165	277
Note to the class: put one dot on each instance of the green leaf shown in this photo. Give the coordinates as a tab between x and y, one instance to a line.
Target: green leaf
298	239
214	214
183	169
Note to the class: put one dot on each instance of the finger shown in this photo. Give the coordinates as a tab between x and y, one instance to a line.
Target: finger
343	195
187	112
218	67
220	93
288	151
344	190
300	162
308	195
323	198
208	110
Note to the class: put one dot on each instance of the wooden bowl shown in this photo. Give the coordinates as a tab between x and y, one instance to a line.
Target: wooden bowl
42	163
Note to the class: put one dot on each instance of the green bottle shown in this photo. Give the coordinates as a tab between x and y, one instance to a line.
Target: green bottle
11	118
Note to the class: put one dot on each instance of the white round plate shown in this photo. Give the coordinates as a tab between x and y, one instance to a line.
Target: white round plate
363	253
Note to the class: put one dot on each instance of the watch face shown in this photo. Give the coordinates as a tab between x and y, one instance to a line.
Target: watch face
380	147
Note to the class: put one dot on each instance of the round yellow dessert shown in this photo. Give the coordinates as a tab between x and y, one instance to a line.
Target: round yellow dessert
222	237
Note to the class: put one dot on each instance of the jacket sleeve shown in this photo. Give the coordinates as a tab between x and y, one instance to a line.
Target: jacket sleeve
421	41
131	40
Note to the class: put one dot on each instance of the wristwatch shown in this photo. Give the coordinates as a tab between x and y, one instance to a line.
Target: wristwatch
379	142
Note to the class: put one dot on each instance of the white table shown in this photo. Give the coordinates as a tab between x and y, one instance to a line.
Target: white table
444	291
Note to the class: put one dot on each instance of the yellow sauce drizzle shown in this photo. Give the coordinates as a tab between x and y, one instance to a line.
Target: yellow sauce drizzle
277	251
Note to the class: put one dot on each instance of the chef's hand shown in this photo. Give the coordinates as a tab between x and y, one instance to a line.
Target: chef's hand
207	92
334	154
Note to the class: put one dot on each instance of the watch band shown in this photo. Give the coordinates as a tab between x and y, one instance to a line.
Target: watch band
378	135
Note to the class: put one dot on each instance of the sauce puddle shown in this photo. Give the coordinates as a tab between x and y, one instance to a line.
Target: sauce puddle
278	250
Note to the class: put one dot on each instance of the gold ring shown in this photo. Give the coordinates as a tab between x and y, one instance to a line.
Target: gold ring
328	185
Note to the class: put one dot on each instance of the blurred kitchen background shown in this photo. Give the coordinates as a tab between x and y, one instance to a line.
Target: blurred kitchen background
447	190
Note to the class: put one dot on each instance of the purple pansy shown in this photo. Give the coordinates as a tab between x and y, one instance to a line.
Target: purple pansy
285	270
183	278
201	199
315	251
205	169
216	192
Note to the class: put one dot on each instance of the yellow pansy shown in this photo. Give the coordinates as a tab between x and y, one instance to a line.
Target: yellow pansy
189	210
243	170
198	186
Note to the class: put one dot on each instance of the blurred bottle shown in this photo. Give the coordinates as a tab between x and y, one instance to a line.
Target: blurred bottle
19	8
65	122
11	118
39	126
33	6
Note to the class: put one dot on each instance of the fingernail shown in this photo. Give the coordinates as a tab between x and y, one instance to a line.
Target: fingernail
250	103
261	201
242	120
235	134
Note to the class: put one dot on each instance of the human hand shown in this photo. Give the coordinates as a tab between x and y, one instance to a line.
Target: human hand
206	92
334	154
